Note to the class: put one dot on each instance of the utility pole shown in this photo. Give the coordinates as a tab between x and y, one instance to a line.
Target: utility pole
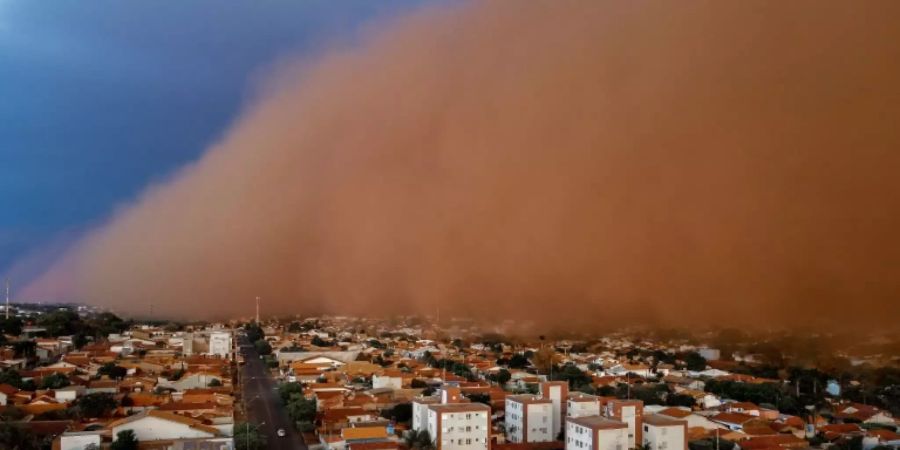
257	310
7	299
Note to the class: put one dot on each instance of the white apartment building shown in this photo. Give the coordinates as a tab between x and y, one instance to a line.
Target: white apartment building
460	426
558	393
420	412
529	418
220	344
631	413
582	405
664	433
595	433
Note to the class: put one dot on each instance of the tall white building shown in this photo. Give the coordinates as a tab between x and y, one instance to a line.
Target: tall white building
529	418
582	405
664	433
558	393
453	422
460	426
220	344
595	433
630	412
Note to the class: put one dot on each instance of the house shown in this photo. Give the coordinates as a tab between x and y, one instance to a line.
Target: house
595	433
732	421
392	379
79	440
153	425
694	421
6	391
664	433
862	413
529	418
772	442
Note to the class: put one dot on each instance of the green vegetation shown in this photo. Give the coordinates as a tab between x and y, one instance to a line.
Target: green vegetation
112	371
263	347
94	405
419	440
54	381
501	377
248	437
125	440
12	378
694	361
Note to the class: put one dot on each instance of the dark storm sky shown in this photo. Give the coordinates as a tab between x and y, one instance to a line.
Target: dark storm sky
100	98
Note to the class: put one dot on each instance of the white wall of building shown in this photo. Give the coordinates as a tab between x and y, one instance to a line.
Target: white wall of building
459	430
153	428
78	441
670	437
583	408
383	381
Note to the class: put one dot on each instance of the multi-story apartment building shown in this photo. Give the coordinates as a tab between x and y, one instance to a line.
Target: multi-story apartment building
664	433
460	426
529	418
631	413
558	393
582	405
453	422
595	433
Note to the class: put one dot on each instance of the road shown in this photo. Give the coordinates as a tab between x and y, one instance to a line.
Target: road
263	403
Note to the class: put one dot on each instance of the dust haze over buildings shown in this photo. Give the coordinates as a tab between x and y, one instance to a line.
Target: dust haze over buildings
675	162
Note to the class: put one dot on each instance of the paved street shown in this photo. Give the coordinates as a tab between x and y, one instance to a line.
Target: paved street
263	403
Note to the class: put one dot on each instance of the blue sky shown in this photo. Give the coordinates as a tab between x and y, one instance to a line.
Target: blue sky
100	98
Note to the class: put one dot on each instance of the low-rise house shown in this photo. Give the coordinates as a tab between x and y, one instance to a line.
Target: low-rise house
153	425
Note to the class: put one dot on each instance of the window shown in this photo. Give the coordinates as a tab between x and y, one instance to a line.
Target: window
468	441
646	428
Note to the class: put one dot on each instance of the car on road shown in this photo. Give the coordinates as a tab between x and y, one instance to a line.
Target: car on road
280	432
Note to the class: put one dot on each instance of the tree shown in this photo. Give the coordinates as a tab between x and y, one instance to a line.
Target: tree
125	440
319	342
518	361
263	347
247	437
79	340
501	377
401	413
54	381
680	400
301	409
419	440
112	371
286	390
95	405
215	382
694	361
544	359
17	438
11	326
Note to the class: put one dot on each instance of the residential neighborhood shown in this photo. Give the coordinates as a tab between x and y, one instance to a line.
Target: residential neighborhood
74	379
